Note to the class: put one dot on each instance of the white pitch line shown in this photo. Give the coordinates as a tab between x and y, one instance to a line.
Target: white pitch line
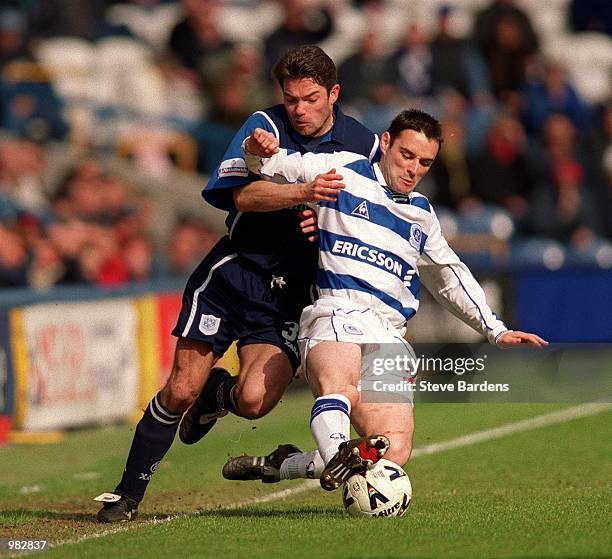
306	485
528	424
514	427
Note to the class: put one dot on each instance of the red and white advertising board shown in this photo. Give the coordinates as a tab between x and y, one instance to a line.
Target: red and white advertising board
81	363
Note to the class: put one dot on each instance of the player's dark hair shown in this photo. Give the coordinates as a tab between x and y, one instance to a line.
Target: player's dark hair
306	61
420	121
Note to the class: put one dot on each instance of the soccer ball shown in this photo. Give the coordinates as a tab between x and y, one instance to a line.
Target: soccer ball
384	490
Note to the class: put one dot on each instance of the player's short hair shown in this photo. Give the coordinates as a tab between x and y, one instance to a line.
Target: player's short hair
420	121
306	61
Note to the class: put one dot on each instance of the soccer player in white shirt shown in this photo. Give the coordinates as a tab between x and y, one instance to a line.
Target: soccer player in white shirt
378	241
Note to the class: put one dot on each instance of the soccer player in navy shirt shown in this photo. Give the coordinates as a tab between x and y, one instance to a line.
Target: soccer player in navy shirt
253	284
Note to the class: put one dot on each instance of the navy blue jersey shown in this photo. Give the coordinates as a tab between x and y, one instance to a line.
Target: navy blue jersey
273	240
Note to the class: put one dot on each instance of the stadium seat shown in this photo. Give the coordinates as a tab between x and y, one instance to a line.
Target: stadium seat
152	24
597	254
546	17
537	253
448	222
479	236
587	59
125	76
249	23
68	60
487	220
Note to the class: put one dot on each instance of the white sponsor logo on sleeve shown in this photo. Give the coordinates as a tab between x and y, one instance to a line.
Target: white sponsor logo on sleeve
233	168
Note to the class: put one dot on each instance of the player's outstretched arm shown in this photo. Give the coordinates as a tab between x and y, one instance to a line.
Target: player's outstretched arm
516	337
455	288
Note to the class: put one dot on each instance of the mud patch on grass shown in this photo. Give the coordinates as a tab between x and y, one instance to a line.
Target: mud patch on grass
60	521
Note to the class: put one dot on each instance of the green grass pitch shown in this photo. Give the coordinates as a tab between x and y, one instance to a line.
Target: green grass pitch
545	492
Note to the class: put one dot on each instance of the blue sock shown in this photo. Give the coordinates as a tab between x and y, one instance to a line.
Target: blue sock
153	437
219	389
228	387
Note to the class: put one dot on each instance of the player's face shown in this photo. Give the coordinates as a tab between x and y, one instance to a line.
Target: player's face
309	106
406	161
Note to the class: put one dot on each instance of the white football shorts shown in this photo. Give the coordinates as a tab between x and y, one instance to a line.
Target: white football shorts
387	359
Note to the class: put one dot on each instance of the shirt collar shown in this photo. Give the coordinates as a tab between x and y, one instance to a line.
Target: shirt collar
395	196
379	176
339	128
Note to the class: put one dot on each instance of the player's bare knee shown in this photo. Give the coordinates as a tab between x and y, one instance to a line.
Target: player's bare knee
176	397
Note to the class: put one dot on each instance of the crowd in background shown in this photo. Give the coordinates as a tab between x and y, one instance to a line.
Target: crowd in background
93	229
169	83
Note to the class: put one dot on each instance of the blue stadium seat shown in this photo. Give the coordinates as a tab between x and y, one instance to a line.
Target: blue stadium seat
537	253
597	255
490	220
448	222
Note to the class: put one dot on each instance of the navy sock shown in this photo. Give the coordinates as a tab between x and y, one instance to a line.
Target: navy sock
153	437
221	387
228	386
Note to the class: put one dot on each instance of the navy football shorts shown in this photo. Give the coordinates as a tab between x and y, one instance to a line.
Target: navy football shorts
228	299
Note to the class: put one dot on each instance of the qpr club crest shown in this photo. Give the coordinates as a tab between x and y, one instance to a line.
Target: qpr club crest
209	324
352	330
416	236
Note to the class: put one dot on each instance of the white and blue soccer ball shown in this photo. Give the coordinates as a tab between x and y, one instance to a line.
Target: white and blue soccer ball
384	490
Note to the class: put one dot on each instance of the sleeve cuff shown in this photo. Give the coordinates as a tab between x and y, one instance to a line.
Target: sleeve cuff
497	333
253	162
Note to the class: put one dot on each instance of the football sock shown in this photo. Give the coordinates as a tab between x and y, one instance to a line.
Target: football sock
330	423
152	439
222	388
228	386
302	465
